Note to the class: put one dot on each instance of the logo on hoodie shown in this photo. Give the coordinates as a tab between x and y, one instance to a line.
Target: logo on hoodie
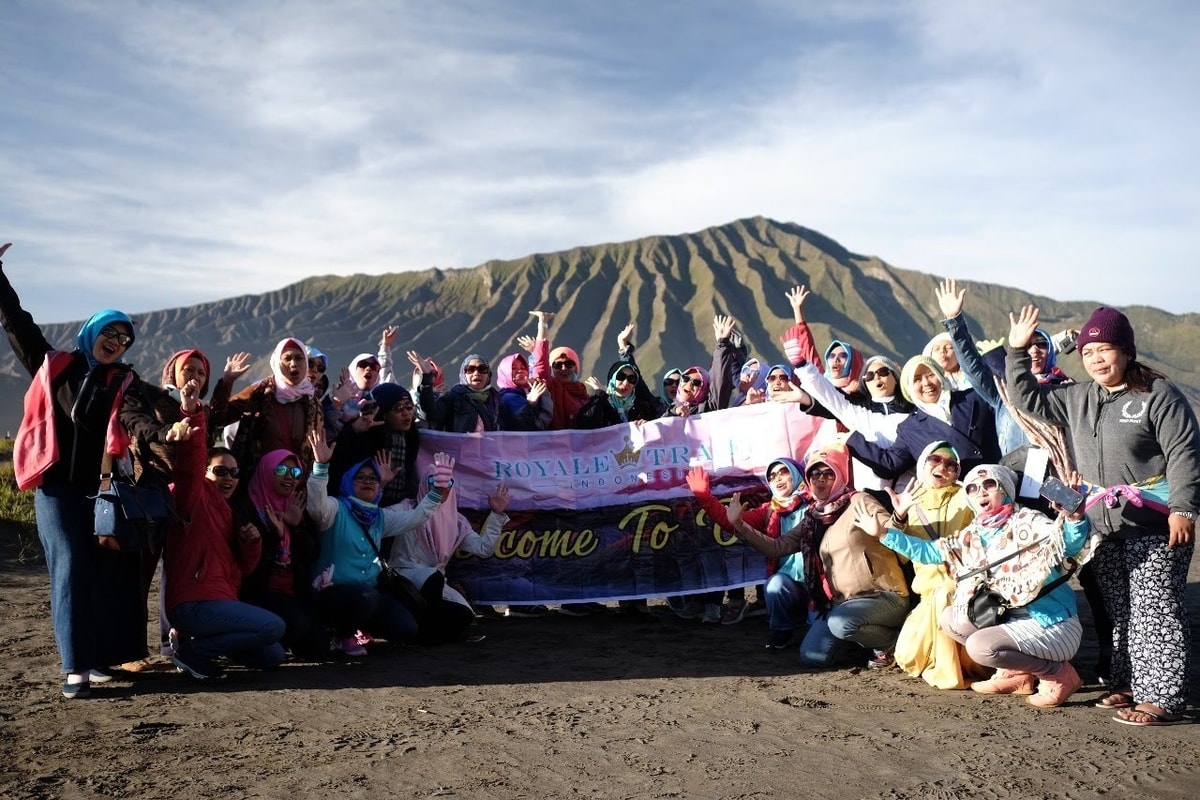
1133	416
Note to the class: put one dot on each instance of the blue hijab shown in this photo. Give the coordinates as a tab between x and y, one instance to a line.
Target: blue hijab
90	332
366	513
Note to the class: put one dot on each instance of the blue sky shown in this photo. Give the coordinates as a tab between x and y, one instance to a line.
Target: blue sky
159	154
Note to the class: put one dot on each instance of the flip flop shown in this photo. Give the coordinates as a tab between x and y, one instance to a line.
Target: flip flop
1122	700
1155	719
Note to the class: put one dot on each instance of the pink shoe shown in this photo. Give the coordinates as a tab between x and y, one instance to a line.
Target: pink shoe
1005	682
350	646
1053	690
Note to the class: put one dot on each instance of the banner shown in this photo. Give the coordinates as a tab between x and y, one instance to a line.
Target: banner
607	514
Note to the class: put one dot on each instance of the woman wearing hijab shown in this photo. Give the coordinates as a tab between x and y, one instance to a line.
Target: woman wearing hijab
941	349
962	418
786	595
561	369
857	589
525	405
1041	630
274	503
276	413
1131	428
352	528
71	421
670	385
389	424
933	507
471	406
626	398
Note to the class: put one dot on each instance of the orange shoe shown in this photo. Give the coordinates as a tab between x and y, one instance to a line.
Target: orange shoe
1054	690
1005	681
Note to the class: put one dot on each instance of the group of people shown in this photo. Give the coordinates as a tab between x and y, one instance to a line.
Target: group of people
294	495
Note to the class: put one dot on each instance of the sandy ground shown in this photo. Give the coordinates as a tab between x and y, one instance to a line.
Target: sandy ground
602	707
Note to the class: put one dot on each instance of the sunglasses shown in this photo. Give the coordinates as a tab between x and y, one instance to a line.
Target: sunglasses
367	365
628	377
1039	344
564	364
283	470
697	382
777	376
822	475
988	484
671	382
319	366
123	339
944	462
366	480
401	408
482	369
225	472
882	372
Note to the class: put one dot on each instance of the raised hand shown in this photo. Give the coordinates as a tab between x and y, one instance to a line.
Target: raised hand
180	432
1023	326
423	364
903	501
537	388
723	326
294	513
526	343
499	500
796	298
734	511
869	523
248	533
322	452
344	390
950	298
593	384
623	338
235	367
543	318
697	481
383	463
189	397
4	248
388	336
443	470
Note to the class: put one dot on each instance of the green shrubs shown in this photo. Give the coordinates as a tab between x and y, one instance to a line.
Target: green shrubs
16	507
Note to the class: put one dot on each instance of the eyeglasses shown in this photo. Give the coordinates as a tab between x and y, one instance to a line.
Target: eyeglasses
671	382
225	472
882	372
319	366
566	363
401	408
988	484
777	376
283	470
944	462
628	377
123	339
697	382
821	475
482	369
366	480
778	472
366	365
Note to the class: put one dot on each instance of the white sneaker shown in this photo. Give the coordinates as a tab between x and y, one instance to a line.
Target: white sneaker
96	676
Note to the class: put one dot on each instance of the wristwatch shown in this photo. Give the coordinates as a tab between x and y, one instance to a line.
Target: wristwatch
1189	515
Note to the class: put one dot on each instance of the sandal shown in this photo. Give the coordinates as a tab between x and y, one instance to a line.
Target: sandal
1149	718
1116	700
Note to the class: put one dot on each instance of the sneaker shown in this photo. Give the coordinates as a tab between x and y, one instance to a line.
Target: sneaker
350	646
530	612
1005	682
96	676
711	614
77	691
199	668
1053	690
778	640
735	612
756	609
685	609
582	609
881	659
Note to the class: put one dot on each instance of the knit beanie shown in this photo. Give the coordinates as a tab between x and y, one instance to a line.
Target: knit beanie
1109	326
387	395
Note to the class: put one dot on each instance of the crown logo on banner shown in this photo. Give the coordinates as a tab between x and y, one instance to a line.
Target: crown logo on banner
627	457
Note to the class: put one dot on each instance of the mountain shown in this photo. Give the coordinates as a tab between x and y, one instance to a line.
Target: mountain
671	286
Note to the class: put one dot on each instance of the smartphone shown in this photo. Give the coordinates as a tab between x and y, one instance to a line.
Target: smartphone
1058	492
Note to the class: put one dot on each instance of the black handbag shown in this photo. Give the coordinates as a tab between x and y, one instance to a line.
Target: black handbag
987	608
392	583
128	516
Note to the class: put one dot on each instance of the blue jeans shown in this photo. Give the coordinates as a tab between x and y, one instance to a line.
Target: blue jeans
238	631
350	607
870	622
787	603
96	606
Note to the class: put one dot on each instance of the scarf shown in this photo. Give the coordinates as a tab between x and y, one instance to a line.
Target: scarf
847	379
940	408
263	496
820	514
284	391
622	404
181	357
365	513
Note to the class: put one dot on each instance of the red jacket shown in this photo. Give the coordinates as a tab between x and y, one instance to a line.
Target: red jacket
204	559
569	396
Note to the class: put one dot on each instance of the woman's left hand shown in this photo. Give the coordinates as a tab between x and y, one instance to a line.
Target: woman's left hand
1183	530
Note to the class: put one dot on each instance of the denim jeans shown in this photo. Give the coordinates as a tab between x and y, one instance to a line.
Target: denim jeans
96	607
238	631
787	603
350	607
862	622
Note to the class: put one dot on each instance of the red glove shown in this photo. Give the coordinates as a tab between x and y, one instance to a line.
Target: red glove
697	481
